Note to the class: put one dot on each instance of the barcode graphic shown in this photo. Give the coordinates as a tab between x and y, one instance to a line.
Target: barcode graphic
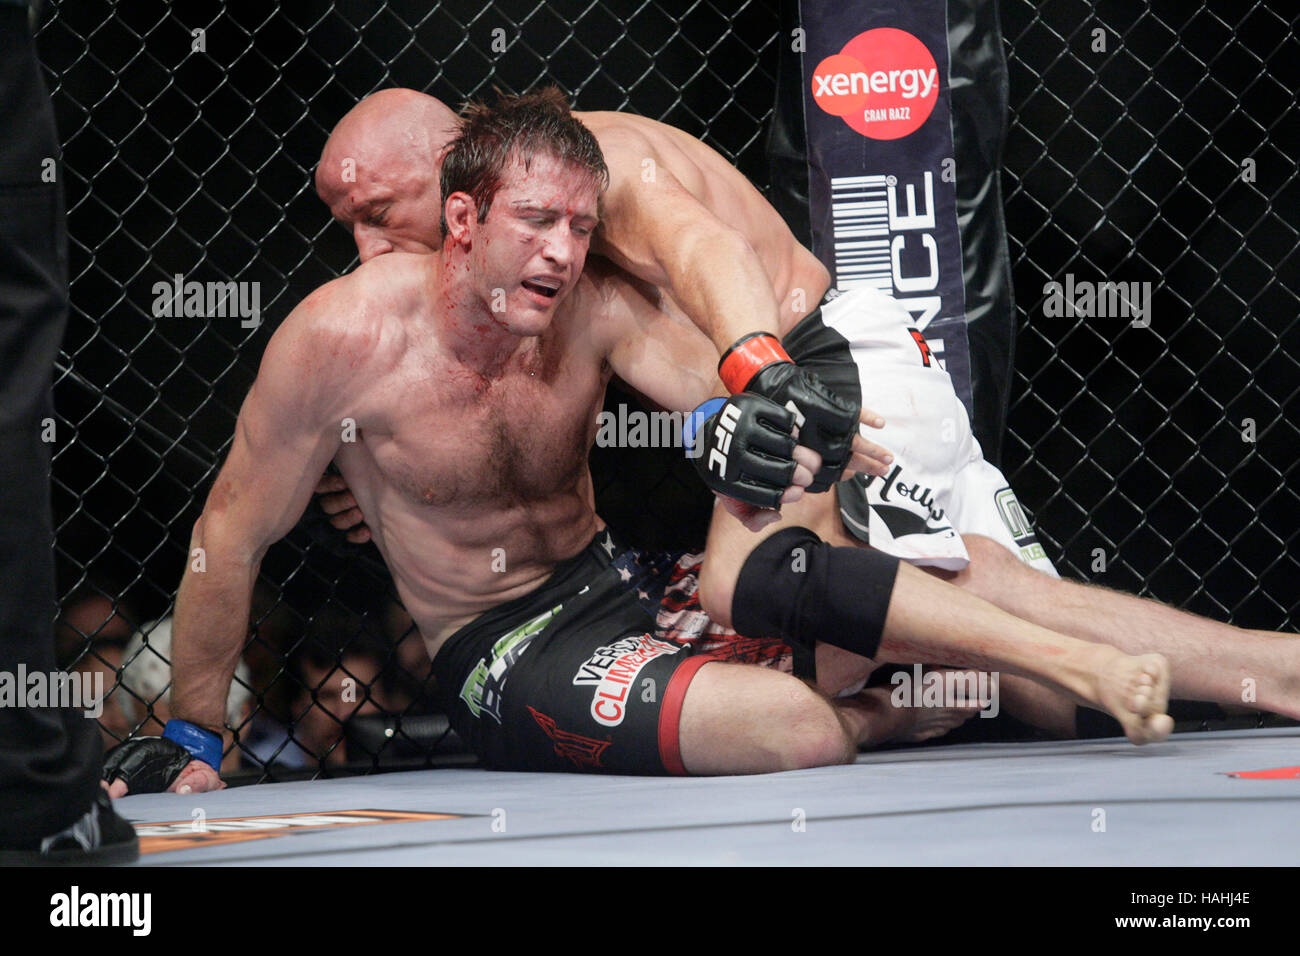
860	220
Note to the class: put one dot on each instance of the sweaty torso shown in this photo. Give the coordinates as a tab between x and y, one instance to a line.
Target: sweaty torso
473	485
798	278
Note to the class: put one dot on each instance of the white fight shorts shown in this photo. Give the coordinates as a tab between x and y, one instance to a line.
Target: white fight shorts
939	486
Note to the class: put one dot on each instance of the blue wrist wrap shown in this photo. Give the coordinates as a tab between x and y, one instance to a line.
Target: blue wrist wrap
204	744
703	412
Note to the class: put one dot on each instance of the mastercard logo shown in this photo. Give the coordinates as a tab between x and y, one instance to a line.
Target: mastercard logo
884	83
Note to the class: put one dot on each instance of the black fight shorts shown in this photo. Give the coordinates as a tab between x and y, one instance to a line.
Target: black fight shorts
588	672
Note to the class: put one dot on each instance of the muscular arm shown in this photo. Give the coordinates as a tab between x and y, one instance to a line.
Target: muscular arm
673	366
667	362
286	433
656	229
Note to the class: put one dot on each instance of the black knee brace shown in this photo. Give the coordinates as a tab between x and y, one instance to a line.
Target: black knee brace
797	587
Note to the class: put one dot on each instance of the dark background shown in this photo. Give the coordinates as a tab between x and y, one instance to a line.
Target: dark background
1123	165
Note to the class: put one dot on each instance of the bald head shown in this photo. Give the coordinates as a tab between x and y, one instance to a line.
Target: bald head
378	172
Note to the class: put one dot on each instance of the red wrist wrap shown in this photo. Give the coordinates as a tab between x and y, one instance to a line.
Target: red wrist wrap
744	359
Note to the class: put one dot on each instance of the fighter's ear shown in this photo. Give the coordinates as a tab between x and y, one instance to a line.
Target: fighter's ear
460	211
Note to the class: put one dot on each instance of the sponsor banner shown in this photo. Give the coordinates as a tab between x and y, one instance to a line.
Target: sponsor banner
187	834
882	183
613	670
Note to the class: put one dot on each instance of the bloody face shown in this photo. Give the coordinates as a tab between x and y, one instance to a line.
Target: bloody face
528	253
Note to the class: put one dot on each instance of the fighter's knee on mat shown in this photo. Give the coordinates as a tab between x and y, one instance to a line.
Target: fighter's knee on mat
806	732
738	718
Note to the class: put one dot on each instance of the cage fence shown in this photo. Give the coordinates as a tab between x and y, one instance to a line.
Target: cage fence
1146	145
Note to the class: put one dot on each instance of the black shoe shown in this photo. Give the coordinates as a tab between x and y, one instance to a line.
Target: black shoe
99	836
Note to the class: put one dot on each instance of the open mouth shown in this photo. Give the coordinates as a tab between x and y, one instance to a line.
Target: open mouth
547	288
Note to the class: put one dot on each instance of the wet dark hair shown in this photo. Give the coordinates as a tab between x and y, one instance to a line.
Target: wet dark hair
491	137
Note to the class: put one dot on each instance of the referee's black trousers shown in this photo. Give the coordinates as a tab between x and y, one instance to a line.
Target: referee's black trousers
49	759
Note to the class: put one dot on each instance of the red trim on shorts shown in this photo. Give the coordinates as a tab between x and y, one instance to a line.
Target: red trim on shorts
744	359
670	713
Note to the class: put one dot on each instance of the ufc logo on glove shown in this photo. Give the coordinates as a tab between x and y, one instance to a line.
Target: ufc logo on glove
722	438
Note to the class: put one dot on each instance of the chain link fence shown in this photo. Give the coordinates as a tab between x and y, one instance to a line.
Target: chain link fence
190	138
1149	145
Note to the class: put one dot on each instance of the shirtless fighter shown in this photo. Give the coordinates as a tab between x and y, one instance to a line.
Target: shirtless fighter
677	215
472	377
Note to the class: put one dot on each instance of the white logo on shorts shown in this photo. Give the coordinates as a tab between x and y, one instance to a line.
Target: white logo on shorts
613	670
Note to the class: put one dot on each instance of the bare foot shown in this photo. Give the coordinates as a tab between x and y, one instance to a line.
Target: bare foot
1135	691
886	723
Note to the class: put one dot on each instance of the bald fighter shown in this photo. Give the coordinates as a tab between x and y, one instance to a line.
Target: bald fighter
472	377
677	215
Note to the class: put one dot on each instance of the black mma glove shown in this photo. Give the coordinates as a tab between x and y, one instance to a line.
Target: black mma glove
152	764
827	423
743	447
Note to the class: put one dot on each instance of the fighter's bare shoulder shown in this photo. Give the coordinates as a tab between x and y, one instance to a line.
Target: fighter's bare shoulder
653	179
356	319
621	129
627	141
342	336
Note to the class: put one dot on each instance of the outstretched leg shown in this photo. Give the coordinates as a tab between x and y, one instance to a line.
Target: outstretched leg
927	620
1208	660
926	623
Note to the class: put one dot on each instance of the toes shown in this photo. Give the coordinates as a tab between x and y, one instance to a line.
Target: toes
1150	729
1151	696
1135	731
1160	726
1161	678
